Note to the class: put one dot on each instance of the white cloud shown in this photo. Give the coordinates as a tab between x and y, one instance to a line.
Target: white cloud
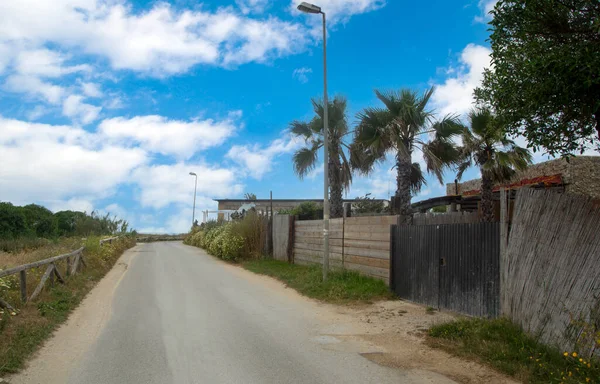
162	185
455	95
45	163
76	109
258	161
169	137
486	7
34	87
115	102
45	63
301	74
261	40
37	112
161	40
91	89
252	6
341	10
75	204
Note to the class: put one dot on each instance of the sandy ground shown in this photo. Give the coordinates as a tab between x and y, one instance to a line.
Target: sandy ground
387	333
392	334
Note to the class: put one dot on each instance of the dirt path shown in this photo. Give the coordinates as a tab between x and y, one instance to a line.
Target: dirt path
60	354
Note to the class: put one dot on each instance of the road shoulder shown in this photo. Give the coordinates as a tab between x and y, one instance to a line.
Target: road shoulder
61	353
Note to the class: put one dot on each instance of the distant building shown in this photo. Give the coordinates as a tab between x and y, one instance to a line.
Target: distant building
262	206
580	175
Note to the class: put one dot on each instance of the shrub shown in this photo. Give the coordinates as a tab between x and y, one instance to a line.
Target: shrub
252	230
308	210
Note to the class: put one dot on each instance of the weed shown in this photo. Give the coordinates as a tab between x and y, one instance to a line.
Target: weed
21	335
430	310
504	346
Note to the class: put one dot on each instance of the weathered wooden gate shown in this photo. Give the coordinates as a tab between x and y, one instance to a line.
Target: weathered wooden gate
449	266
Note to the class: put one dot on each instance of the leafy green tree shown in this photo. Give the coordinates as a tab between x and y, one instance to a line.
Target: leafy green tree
12	222
40	221
487	146
405	125
66	221
368	204
545	83
306	158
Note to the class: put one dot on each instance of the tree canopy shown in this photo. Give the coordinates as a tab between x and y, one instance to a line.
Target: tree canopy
545	80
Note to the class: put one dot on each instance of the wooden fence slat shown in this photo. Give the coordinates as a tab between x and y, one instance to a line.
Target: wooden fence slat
368	261
4	304
372	253
75	264
367	236
36	264
58	275
23	285
40	286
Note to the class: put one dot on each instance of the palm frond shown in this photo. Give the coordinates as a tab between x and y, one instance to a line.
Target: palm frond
448	127
438	155
417	179
345	171
299	128
463	166
305	160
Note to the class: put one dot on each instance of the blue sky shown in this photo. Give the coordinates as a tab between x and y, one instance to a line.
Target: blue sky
108	104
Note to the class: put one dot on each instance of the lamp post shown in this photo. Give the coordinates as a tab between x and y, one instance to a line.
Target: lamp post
313	9
194	209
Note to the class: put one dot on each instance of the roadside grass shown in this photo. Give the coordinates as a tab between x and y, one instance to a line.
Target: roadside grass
23	334
504	346
25	251
341	286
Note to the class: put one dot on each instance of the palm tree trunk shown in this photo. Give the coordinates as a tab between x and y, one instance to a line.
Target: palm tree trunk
336	203
402	204
487	203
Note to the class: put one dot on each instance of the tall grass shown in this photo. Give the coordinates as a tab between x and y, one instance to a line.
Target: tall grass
22	334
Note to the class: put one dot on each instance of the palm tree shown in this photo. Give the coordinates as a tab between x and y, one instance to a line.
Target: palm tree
404	126
306	158
487	146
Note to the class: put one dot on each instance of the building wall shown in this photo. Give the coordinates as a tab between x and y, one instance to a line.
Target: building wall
263	205
581	174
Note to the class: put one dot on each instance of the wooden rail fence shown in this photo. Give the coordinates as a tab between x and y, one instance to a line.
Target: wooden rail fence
74	261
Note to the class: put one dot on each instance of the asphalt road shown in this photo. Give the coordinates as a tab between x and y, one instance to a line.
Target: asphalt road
180	316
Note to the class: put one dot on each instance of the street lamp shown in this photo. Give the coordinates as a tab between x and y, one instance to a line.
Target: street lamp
313	9
194	209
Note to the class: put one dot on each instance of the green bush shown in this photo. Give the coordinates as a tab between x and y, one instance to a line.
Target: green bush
231	241
308	210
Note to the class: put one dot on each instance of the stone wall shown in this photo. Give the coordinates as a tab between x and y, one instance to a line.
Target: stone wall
581	174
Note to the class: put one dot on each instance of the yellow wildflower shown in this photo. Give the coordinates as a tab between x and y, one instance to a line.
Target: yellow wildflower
589	365
587	380
574	354
566	354
570	373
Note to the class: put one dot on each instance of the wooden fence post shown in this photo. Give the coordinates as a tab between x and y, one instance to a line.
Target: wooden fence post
503	246
291	234
23	284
